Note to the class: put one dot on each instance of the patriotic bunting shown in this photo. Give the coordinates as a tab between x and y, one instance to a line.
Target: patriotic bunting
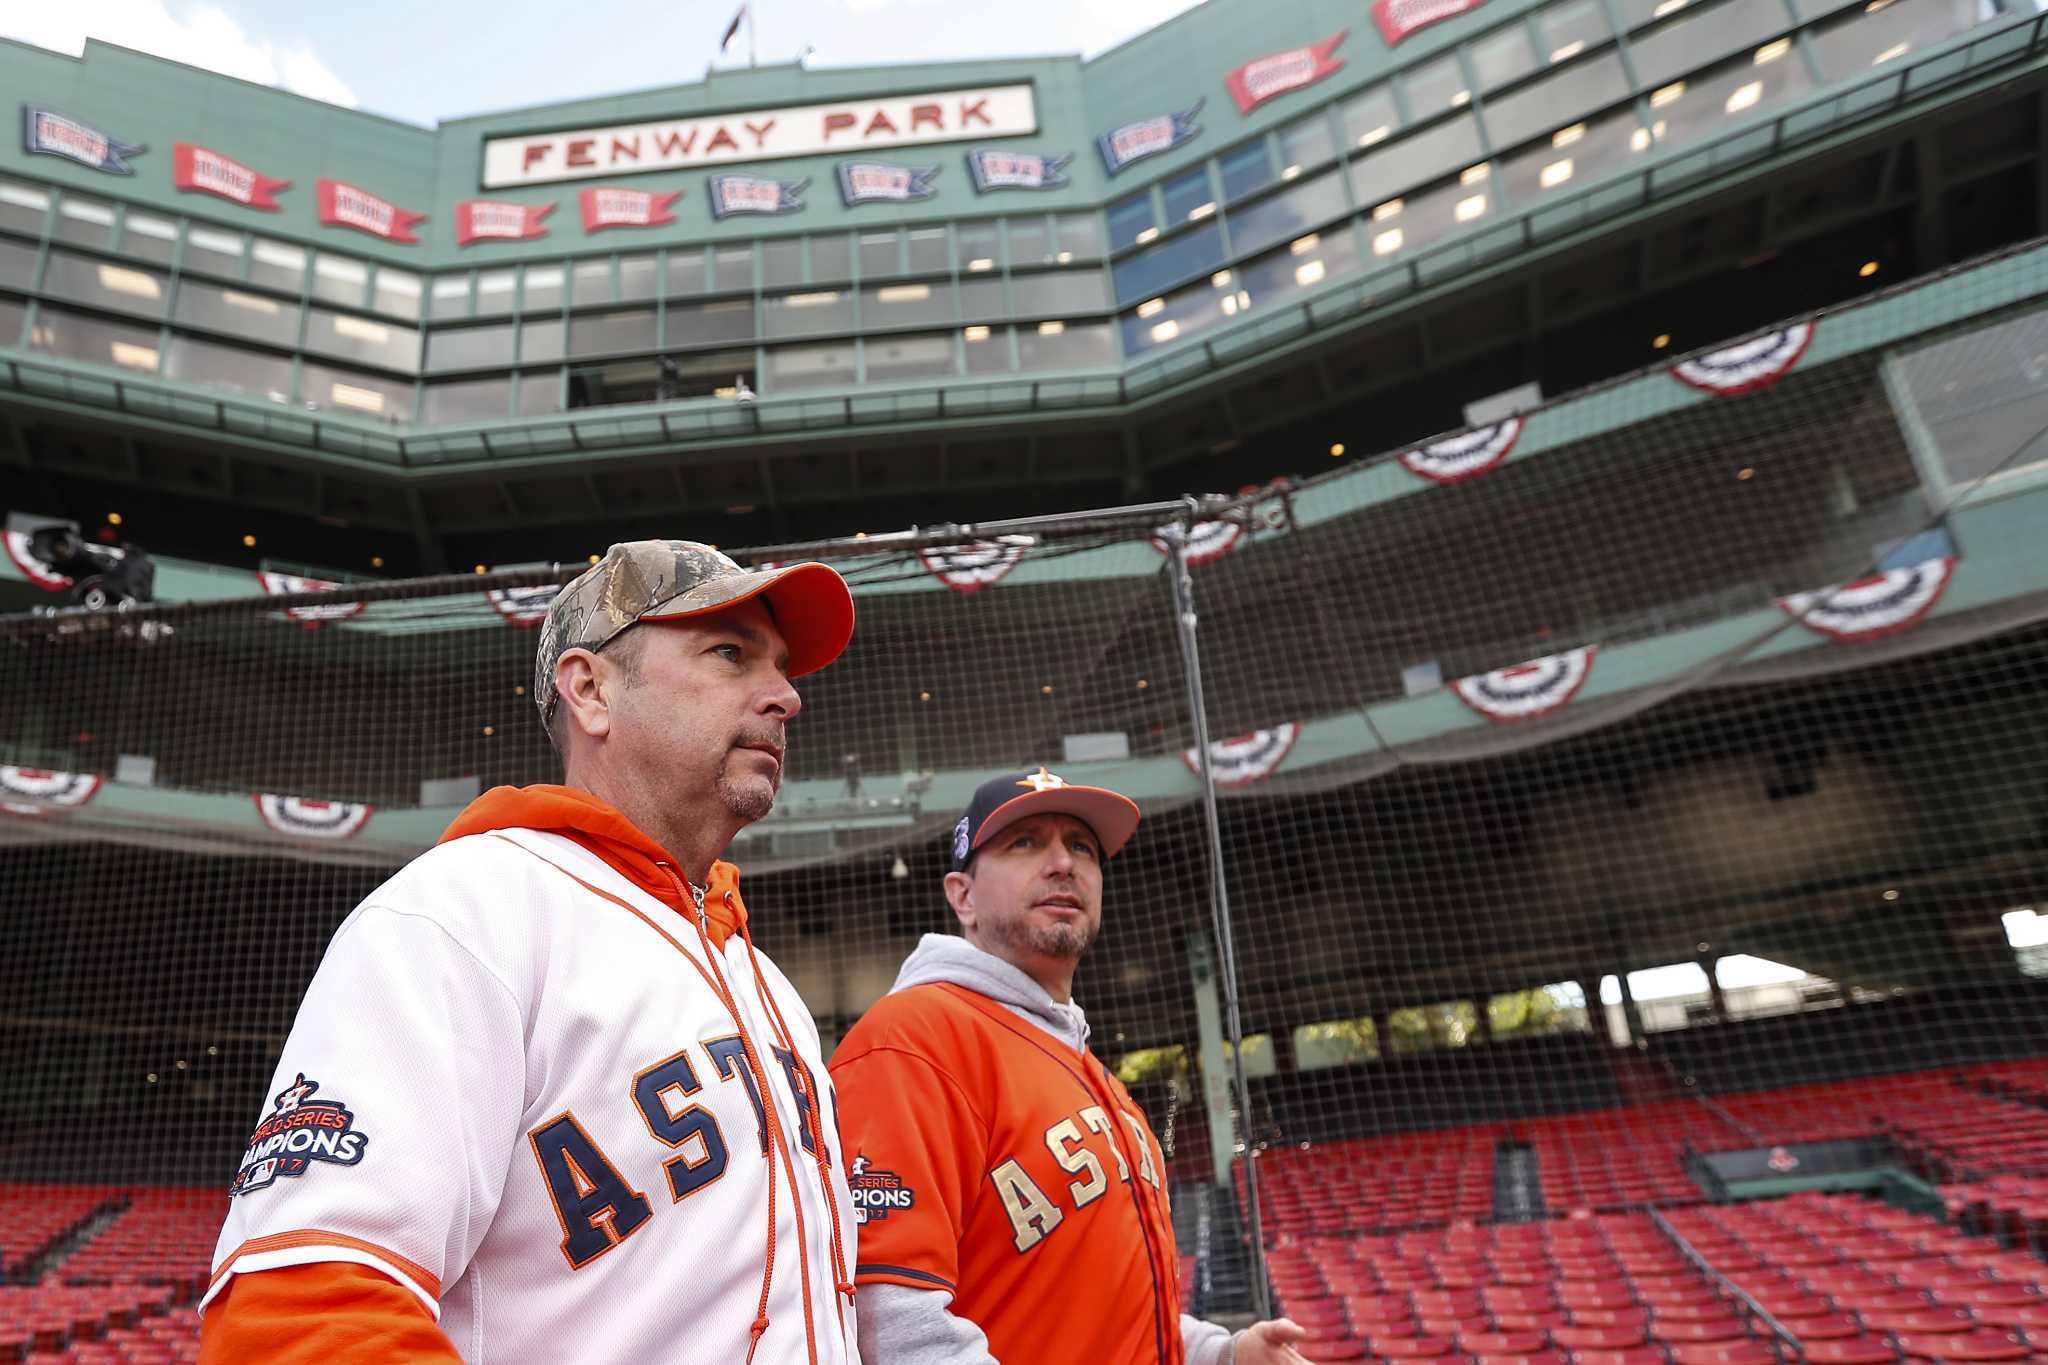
1528	690
1746	366
1466	455
44	791
304	818
523	606
284	585
977	564
1208	541
1883	604
20	549
1244	759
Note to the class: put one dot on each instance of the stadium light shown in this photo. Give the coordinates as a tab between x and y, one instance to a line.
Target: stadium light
113	518
1867	269
1336	450
248	542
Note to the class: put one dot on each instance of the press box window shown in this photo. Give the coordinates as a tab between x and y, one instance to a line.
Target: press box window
238	312
105	284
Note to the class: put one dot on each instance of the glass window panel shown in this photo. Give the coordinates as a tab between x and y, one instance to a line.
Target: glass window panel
1078	237
469	348
1306	145
469	400
1545	105
710	324
195	361
685	272
1380	175
1572	28
894	359
540	392
1416	220
611	333
239	312
878	254
982	298
927	252
1303	264
144	236
1246	167
355	391
1130	221
1436	87
1881	32
1158	267
1183	313
1703	104
105	284
1369	117
496	292
710	374
1188	198
808	313
1287	215
214	251
451	297
1705	33
397	293
278	265
23	208
810	367
1571	157
832	257
17	269
732	269
1066	346
987	349
978	247
12	316
87	222
364	340
1030	242
903	305
540	341
639	280
1503	55
590	284
782	262
77	336
337	279
541	289
1060	293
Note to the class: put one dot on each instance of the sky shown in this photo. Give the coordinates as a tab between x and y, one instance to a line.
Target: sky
425	63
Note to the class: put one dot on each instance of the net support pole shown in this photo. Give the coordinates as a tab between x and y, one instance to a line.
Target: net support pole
1186	620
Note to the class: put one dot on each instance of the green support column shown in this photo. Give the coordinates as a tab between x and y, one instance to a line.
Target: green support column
1214	1066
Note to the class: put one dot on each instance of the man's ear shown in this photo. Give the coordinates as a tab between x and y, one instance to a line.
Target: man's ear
581	688
960	895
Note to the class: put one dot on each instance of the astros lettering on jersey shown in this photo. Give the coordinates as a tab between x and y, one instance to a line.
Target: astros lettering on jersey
553	1129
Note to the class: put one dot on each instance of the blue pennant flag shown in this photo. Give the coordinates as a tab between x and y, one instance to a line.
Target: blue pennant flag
1001	170
45	132
1147	137
755	194
866	182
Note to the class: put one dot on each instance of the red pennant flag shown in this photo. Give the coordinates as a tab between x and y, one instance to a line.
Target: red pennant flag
1399	18
205	171
349	206
1277	73
494	220
607	207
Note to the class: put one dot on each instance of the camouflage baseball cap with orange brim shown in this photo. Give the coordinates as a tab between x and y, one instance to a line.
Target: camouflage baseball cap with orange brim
668	580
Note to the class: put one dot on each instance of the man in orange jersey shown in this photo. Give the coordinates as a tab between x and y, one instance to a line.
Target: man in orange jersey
1012	1196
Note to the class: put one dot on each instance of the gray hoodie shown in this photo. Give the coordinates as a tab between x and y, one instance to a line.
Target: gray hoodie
904	1326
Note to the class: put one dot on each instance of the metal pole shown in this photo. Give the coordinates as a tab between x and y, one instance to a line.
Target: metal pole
752	62
1186	619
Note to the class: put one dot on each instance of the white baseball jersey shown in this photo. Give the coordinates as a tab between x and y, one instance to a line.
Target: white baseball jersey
515	1086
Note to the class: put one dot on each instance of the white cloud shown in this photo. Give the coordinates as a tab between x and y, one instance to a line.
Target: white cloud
200	35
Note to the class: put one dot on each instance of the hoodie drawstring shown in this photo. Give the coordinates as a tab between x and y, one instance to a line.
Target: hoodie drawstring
817	1119
771	1117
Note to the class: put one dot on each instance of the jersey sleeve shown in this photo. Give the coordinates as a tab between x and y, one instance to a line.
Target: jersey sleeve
320	1315
916	1152
394	1113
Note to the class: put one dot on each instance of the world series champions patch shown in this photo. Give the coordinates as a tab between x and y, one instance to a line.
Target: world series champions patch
298	1132
877	1193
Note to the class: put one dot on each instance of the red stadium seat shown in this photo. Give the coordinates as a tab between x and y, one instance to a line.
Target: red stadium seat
1982	1344
1745	1352
1862	1350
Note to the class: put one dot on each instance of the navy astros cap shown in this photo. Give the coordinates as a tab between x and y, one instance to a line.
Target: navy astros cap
1002	801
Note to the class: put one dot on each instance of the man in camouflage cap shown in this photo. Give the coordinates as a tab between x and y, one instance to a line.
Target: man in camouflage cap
552	1028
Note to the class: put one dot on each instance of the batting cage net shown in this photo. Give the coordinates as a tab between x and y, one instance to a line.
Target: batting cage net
1633	804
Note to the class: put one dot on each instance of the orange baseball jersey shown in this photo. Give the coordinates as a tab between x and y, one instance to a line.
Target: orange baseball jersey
997	1162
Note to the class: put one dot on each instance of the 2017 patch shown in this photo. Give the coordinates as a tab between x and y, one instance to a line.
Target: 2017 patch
877	1193
298	1132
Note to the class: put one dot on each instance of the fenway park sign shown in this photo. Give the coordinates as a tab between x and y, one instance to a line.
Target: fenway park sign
760	135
